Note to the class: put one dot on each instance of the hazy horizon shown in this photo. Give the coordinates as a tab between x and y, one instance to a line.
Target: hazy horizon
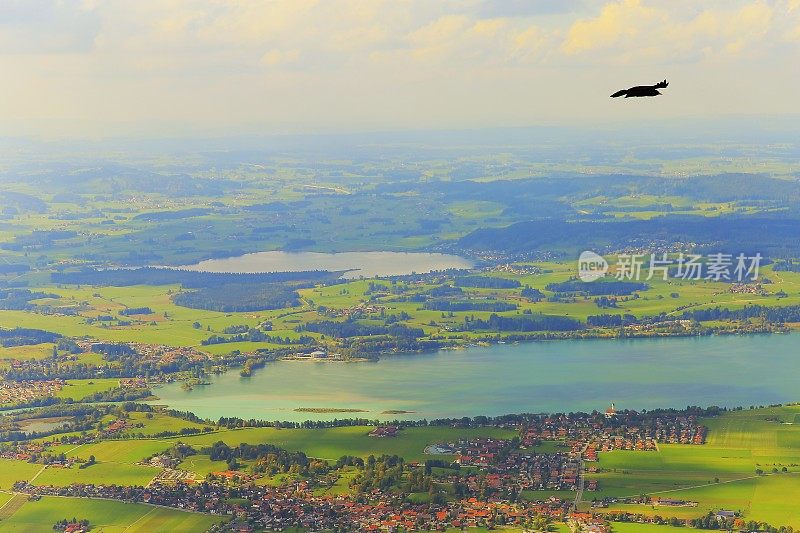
201	68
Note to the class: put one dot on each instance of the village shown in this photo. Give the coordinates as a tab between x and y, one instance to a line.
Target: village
552	453
21	392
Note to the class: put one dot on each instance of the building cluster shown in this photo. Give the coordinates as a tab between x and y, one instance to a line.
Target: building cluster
519	269
359	310
588	434
508	470
133	383
253	507
487	479
157	353
384	431
747	288
18	392
589	523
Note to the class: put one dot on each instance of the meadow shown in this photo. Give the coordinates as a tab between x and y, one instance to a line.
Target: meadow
740	468
173	325
104	516
719	474
328	443
288	202
722	474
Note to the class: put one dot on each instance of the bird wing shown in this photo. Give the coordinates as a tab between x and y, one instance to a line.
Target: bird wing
623	92
661	85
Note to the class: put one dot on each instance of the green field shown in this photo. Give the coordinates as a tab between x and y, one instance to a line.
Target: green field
329	444
623	527
720	474
12	471
98	474
77	389
104	516
171	324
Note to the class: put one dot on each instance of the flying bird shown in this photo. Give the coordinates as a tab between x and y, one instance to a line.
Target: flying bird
641	90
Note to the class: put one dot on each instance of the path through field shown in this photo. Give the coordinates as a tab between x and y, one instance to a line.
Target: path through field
12	506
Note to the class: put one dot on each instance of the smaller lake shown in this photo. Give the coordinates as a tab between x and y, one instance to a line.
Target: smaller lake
358	264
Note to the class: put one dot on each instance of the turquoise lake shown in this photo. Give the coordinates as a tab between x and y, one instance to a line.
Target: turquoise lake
564	375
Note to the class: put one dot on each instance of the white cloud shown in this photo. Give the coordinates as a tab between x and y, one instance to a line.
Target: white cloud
382	63
629	31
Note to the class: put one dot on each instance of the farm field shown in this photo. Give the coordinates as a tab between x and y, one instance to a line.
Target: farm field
328	444
722	474
77	389
99	473
81	299
104	516
173	325
12	471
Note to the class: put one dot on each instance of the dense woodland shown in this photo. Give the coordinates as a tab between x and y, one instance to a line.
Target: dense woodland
25	336
240	297
354	329
596	288
524	323
187	278
774	237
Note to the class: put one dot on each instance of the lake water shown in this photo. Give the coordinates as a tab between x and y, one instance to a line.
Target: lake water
565	375
357	263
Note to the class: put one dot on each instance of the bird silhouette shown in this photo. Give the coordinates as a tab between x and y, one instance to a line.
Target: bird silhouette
641	90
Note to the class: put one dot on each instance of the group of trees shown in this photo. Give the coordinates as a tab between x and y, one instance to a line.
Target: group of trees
136	311
62	525
25	336
771	235
378	473
776	315
534	295
610	321
349	328
20	299
597	288
38	239
486	282
240	297
525	323
786	266
269	459
187	278
249	335
469	305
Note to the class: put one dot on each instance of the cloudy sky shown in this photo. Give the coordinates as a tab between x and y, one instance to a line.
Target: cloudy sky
100	68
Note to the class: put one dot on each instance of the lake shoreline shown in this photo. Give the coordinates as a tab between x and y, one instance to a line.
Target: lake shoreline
575	374
354	265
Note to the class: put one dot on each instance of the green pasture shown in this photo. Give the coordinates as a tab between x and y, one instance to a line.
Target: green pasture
327	443
104	516
203	465
628	527
12	471
99	473
174	325
77	389
159	423
721	474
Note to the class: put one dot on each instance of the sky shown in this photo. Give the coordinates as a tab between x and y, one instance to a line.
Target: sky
151	68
